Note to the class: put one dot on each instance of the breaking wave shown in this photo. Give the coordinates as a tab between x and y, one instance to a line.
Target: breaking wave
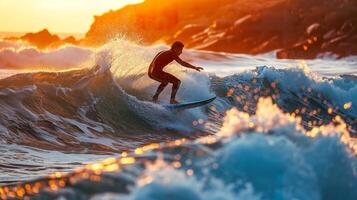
16	55
272	133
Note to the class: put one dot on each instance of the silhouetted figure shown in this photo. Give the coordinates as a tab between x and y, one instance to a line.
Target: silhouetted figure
160	61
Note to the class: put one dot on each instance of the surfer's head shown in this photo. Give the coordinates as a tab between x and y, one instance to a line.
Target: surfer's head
177	47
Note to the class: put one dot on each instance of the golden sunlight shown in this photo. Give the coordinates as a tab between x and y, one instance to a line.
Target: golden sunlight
70	16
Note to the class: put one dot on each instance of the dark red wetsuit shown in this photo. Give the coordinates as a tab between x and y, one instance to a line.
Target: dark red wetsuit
160	61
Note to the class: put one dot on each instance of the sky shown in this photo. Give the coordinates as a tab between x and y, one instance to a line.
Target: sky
60	16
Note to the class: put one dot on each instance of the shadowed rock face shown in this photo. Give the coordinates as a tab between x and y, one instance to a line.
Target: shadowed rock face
298	28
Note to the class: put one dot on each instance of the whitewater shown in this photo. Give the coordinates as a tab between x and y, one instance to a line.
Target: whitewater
78	123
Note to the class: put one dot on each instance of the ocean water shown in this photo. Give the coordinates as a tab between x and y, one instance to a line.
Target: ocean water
279	129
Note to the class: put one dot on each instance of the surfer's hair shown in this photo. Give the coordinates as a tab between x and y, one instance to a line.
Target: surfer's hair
177	45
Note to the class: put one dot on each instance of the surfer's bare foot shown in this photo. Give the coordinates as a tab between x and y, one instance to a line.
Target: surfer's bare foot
173	101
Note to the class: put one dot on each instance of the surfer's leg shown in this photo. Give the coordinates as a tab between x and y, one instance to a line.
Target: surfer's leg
159	90
175	86
166	78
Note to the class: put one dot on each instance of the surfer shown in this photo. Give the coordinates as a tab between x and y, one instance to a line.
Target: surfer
161	60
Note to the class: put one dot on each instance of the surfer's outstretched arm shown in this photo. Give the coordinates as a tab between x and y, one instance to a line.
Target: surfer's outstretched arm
186	64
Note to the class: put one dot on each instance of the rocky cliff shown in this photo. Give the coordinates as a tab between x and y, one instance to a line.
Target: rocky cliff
296	28
44	39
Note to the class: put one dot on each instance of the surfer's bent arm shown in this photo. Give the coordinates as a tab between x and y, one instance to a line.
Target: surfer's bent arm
186	64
